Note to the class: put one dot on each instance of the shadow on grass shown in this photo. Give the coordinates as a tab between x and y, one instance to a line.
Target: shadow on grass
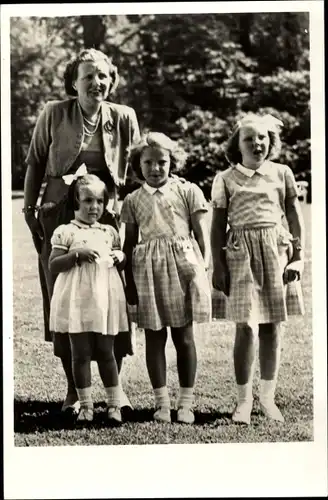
42	416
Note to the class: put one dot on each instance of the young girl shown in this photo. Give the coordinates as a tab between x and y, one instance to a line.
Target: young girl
166	271
254	260
88	300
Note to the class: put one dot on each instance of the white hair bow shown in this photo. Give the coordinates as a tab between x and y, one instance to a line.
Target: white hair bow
81	172
269	121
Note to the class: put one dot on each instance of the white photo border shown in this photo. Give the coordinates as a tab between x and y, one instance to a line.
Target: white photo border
211	470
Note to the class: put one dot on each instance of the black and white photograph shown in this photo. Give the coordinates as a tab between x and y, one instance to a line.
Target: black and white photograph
164	250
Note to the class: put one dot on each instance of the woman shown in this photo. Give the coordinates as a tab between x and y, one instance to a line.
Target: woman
84	129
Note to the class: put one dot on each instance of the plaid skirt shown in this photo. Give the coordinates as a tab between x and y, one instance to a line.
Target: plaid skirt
172	284
256	260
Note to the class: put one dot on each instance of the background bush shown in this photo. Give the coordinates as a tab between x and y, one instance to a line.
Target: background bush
190	76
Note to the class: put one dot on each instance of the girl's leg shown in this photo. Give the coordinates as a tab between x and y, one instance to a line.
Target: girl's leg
244	364
269	350
81	366
156	366
183	339
109	374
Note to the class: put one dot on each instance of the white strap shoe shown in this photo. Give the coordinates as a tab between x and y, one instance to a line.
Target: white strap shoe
271	410
85	414
162	414
185	415
242	412
114	414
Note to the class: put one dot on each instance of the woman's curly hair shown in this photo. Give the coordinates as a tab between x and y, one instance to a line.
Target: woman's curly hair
88	55
232	151
74	190
156	140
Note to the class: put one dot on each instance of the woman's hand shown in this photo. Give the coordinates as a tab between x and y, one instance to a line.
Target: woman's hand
221	278
86	254
36	230
293	271
118	257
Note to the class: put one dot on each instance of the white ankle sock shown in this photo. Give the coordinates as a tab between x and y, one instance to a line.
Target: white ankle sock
162	397
113	396
245	392
267	390
85	397
186	397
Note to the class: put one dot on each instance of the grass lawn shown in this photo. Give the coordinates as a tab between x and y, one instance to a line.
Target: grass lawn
39	383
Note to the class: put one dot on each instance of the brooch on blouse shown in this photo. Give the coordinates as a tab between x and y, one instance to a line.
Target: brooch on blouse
109	128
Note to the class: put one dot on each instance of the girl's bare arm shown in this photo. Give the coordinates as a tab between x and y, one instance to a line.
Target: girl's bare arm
202	236
219	236
130	241
61	260
296	226
220	278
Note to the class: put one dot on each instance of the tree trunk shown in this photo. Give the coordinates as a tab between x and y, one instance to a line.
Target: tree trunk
94	31
245	26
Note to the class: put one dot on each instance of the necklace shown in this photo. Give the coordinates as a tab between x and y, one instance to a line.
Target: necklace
87	131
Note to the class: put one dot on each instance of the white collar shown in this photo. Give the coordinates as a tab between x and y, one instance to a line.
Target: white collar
249	172
80	224
152	190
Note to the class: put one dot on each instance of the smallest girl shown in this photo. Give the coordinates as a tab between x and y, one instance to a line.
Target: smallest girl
168	250
262	252
88	301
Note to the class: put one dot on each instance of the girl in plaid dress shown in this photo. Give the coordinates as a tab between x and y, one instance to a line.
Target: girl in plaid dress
166	270
88	301
258	262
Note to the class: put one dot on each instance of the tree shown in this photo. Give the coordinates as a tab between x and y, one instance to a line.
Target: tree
188	76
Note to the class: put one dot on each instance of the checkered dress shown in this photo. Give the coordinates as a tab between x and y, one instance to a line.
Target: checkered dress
258	246
168	267
90	297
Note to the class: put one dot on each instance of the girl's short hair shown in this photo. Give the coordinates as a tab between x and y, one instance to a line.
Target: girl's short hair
88	55
74	190
156	140
232	151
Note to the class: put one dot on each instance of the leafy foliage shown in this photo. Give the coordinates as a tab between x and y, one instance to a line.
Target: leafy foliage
188	76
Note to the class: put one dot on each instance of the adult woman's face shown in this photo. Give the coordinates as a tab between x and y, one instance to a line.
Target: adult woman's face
92	82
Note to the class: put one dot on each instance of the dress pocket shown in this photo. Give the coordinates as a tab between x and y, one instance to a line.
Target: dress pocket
235	248
284	242
189	252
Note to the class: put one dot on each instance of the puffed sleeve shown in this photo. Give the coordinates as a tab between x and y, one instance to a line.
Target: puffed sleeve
62	237
290	182
127	212
196	198
41	139
218	192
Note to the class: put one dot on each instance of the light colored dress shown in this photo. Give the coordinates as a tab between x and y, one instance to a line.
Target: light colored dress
259	244
168	267
90	297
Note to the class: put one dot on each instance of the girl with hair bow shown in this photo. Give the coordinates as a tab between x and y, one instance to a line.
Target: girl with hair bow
88	302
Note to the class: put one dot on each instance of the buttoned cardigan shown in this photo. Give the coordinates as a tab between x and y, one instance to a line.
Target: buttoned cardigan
58	136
